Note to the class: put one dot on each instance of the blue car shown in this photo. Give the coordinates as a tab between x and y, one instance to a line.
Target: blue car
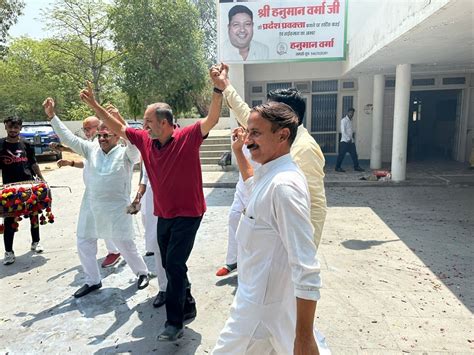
39	135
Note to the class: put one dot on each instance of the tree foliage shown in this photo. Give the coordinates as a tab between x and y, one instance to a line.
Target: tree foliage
208	24
82	31
9	12
31	71
162	51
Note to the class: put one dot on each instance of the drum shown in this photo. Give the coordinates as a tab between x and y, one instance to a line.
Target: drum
30	199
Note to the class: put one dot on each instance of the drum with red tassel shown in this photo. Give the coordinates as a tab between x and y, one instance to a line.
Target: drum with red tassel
29	199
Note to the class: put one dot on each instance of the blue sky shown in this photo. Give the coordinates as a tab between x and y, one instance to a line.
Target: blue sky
30	23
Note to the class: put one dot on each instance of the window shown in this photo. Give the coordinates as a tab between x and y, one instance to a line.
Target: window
274	86
324	113
303	86
257	89
454	81
390	83
423	82
256	102
347	103
348	85
324	85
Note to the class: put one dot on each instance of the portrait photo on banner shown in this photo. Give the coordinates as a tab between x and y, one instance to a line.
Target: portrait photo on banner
282	30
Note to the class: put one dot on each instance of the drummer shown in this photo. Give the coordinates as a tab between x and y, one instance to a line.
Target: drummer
18	163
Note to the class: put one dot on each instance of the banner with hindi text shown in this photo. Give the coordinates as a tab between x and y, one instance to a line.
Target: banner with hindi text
281	30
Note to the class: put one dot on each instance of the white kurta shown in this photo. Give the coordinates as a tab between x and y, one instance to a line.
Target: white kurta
277	263
150	224
107	195
241	199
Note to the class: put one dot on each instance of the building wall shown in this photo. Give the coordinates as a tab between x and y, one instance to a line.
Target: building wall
469	143
388	21
363	122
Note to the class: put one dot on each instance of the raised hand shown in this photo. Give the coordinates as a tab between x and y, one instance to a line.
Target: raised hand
87	95
219	75
114	112
48	106
238	138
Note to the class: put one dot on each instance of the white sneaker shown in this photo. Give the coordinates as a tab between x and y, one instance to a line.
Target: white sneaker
36	247
9	258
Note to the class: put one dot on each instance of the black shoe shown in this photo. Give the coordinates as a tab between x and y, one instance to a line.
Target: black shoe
171	333
143	281
339	170
358	168
84	290
189	311
160	299
149	253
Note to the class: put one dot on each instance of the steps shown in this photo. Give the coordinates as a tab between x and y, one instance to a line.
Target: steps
212	149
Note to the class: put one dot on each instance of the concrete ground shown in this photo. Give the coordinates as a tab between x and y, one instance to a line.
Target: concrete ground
396	265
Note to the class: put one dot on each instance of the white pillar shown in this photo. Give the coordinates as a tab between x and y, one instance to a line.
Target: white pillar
377	122
400	122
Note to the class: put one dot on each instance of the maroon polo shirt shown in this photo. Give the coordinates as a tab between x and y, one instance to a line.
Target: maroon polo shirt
174	171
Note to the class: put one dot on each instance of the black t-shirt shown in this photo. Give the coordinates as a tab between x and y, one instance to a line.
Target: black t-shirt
16	160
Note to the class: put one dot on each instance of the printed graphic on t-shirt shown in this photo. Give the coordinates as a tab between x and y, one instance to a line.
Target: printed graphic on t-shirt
12	158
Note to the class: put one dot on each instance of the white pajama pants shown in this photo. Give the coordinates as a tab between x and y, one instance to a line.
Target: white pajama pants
261	329
150	223
111	248
235	213
87	250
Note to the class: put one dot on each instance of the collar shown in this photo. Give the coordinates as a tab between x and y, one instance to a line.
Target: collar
272	165
110	151
158	144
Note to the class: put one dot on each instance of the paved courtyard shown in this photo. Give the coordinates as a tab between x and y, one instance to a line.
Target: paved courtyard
396	262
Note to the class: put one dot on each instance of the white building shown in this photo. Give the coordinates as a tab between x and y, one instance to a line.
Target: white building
409	73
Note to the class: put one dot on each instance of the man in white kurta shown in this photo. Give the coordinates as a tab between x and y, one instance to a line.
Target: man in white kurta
241	198
274	307
106	197
150	222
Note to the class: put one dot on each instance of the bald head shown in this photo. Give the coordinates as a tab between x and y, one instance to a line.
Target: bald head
91	120
90	125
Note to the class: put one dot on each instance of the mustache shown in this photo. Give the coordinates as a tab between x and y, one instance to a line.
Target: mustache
252	146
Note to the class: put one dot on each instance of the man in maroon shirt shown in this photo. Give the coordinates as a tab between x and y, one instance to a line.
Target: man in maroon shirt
171	158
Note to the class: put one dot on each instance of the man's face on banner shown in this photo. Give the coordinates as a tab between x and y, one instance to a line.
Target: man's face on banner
240	30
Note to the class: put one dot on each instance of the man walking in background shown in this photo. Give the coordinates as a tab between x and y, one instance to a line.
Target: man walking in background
347	144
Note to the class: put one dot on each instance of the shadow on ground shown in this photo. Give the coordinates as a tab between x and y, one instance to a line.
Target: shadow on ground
435	223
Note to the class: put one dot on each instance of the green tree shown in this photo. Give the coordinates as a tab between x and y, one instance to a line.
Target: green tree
82	31
208	25
162	51
30	72
9	12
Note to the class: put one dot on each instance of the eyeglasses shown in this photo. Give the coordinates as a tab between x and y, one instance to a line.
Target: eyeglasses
105	135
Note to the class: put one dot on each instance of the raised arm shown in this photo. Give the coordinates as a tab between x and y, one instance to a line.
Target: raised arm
214	109
116	125
78	145
238	139
232	99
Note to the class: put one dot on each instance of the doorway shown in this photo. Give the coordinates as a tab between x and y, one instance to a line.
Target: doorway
433	119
